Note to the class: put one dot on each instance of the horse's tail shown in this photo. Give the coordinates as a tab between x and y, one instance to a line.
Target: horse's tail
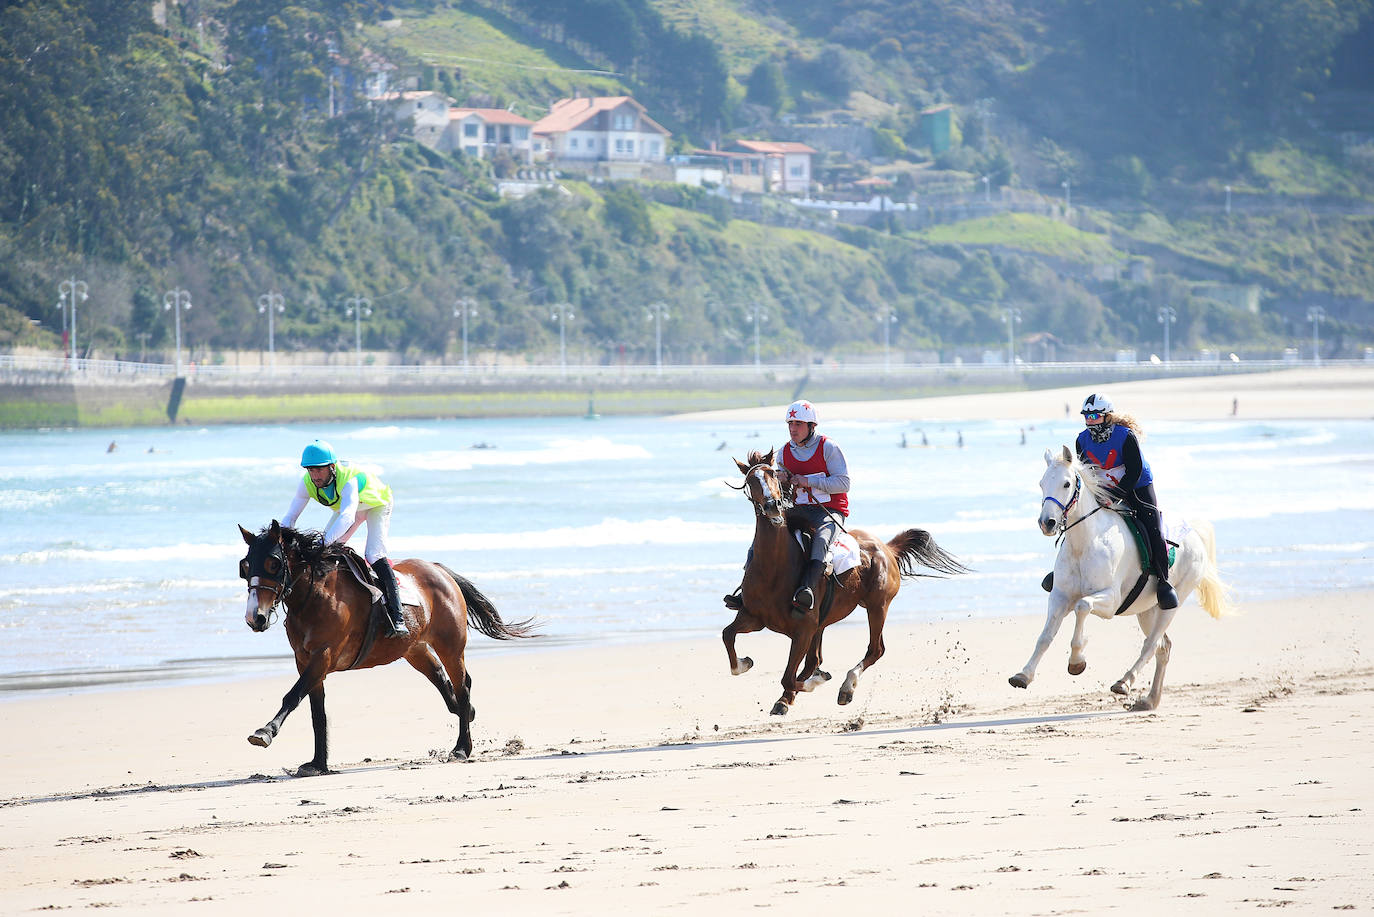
1211	591
484	616
916	547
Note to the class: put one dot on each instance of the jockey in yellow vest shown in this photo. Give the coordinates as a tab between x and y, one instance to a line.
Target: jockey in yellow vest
356	497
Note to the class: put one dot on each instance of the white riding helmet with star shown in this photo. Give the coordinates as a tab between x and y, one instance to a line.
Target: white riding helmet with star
1097	403
804	411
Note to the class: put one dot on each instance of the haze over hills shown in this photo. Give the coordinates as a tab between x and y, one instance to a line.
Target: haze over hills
1219	158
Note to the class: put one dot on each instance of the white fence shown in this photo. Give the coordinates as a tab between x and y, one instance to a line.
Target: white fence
50	370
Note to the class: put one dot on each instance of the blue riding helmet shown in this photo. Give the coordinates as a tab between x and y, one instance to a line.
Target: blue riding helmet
318	453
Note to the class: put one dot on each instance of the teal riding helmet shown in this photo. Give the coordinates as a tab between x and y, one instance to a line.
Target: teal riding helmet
318	453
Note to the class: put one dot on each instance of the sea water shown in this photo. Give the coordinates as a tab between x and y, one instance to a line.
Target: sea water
122	564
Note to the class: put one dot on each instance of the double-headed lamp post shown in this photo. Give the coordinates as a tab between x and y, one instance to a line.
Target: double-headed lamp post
67	292
1316	315
177	301
357	307
272	303
658	311
758	315
462	308
1013	318
563	313
1167	316
887	317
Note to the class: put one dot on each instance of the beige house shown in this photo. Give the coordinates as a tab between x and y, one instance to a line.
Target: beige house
607	129
484	132
425	110
764	166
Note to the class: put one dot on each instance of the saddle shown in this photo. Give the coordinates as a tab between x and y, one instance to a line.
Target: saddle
1143	546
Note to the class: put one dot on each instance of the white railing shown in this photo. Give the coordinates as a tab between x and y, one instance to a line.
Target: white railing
36	369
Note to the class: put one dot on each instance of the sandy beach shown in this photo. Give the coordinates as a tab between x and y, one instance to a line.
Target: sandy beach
646	779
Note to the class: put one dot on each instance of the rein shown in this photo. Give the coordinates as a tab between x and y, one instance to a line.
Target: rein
1064	524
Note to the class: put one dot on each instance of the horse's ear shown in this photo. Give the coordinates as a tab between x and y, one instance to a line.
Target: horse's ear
247	536
743	468
1068	456
275	530
1049	457
769	457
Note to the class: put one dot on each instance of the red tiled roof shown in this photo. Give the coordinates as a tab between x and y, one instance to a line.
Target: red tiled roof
765	146
489	115
570	114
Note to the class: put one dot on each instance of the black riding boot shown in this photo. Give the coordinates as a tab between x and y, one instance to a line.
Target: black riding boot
1047	583
396	622
735	601
805	598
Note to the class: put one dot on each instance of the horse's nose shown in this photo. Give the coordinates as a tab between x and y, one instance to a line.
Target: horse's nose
1047	524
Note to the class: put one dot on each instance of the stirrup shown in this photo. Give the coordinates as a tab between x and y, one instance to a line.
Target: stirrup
395	627
803	600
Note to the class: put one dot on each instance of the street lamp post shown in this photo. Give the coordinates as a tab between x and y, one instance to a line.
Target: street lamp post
69	290
1167	316
887	316
1316	315
358	307
1228	200
987	191
563	315
462	308
658	311
1068	195
758	315
1013	318
272	303
177	301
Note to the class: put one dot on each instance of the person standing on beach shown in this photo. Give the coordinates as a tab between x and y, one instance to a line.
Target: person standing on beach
1111	441
819	475
356	497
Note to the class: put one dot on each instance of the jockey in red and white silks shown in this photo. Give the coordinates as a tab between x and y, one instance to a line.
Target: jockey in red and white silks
819	475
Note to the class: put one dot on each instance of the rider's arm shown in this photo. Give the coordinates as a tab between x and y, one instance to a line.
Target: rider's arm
340	524
837	481
298	503
1134	464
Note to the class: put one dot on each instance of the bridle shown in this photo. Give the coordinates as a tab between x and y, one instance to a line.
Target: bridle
279	589
1064	524
771	508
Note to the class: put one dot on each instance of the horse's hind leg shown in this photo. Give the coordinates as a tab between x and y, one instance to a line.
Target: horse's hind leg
877	617
450	653
430	667
812	675
1157	643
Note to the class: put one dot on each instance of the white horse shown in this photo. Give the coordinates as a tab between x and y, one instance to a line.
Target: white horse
1099	564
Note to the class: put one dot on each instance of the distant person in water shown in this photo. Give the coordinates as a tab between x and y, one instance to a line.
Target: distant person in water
356	497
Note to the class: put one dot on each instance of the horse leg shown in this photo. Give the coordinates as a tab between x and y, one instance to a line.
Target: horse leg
320	763
429	666
795	655
311	680
450	652
1054	619
813	676
1160	619
877	617
744	623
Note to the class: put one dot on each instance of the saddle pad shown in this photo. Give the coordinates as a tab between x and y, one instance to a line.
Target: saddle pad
408	591
844	552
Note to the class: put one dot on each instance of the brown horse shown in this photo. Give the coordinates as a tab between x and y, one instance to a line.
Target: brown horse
775	566
330	626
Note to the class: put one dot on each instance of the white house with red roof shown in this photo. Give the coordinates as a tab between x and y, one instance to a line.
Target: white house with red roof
484	132
425	110
605	129
764	166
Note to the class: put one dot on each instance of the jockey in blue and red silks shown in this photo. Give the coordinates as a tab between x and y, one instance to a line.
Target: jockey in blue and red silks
1110	441
819	475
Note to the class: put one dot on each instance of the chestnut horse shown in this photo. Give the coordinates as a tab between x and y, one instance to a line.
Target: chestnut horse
329	623
775	566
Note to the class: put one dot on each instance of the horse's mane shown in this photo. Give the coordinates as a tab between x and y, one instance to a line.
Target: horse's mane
758	458
1100	492
310	546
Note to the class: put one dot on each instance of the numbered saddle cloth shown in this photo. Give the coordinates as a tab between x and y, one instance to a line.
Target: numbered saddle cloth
844	551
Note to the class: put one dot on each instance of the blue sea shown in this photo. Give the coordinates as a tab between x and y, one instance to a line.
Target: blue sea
121	565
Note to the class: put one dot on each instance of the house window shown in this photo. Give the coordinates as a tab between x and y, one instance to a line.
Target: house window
572	143
470	150
522	133
491	133
796	170
624	122
654	149
470	130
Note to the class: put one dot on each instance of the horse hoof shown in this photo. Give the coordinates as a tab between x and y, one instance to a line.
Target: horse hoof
846	696
823	674
262	738
311	769
745	665
779	709
1077	668
1018	681
462	757
1141	706
1119	688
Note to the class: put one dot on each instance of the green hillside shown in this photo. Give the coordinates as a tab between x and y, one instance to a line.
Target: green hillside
230	150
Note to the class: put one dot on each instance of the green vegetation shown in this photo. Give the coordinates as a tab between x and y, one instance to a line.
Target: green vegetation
231	151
